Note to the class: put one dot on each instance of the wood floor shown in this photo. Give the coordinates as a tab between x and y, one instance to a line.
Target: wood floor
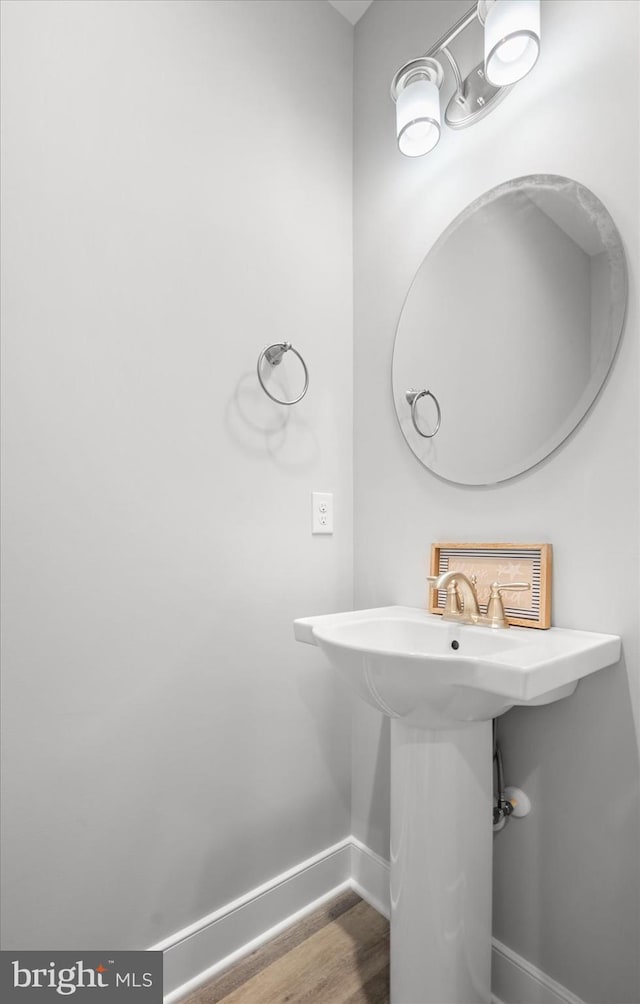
337	955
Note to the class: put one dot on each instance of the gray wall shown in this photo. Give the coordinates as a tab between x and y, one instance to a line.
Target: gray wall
567	883
176	196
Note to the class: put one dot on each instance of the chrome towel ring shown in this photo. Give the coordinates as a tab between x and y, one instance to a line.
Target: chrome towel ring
413	396
273	354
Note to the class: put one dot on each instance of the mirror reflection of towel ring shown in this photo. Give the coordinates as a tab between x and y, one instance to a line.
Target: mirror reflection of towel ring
413	396
274	354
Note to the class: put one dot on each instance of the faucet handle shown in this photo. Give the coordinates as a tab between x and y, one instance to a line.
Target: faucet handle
495	608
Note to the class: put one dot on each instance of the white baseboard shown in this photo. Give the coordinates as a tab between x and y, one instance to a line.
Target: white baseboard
513	980
194	955
370	877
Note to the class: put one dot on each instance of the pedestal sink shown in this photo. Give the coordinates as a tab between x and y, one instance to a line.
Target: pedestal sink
441	683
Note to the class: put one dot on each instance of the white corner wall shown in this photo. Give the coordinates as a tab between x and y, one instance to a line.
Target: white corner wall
176	195
567	878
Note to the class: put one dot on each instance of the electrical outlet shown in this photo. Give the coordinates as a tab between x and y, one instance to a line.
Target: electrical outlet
322	512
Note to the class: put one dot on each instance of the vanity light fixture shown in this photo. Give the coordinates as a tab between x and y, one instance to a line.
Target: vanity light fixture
511	48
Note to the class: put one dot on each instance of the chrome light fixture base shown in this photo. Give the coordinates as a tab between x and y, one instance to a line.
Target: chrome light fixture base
475	100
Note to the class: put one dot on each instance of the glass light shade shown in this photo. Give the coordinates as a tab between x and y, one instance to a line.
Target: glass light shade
418	118
511	40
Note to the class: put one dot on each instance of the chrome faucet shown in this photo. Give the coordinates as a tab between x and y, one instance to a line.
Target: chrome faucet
462	599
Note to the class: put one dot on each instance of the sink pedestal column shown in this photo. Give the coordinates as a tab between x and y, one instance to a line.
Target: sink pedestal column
441	864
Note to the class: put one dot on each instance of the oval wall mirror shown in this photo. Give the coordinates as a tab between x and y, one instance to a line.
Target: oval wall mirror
509	329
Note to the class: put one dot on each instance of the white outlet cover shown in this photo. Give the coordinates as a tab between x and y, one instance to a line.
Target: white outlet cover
322	512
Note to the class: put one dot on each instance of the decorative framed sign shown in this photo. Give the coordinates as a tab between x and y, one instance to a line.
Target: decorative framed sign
499	563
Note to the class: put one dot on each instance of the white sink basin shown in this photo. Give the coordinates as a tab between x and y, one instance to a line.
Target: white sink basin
432	672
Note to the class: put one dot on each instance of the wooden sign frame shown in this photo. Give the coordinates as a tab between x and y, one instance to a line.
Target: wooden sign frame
500	563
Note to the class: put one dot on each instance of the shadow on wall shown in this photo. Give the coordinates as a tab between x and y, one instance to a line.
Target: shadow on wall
260	427
325	694
370	824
